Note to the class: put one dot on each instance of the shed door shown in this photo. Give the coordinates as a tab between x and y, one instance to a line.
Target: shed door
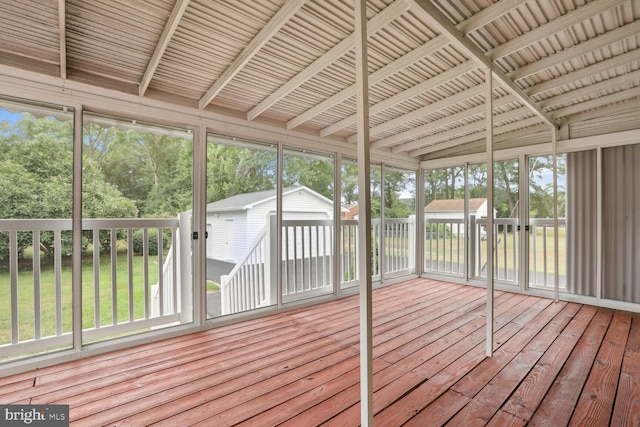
229	237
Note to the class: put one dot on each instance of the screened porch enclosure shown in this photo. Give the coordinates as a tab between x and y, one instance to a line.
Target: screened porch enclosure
179	167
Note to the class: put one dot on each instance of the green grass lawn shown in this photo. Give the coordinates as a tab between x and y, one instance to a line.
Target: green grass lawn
26	316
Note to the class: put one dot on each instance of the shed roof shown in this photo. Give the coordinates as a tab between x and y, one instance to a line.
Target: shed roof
453	205
249	200
291	63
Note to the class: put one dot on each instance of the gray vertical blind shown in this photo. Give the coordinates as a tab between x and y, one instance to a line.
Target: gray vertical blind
621	223
581	222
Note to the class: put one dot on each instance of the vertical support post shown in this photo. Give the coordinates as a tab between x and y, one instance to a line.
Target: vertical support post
382	233
281	240
199	224
490	234
556	262
420	237
469	227
523	217
364	223
599	236
76	224
184	265
337	248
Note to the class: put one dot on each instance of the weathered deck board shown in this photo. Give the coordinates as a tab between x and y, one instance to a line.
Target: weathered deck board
554	364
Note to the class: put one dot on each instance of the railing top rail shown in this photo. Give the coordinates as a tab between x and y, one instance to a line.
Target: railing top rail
546	221
498	221
444	220
304	222
52	224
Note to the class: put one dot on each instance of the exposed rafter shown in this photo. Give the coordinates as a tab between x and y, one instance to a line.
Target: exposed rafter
468	48
388	70
373	26
436	124
274	25
476	136
428	109
170	28
62	28
586	72
477	21
416	90
598	102
552	27
629	30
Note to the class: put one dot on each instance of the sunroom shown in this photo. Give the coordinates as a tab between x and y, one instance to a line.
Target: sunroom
184	166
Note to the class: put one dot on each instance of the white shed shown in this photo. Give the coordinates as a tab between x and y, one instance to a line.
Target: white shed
234	223
454	209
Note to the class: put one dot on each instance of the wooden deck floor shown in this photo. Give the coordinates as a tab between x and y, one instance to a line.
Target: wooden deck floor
555	364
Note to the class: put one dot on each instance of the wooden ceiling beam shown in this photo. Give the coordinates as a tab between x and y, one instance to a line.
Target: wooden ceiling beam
400	97
444	25
286	12
559	24
169	29
347	44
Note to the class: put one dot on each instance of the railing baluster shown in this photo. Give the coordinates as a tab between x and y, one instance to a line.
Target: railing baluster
130	271
57	242
114	278
145	270
36	285
96	277
13	273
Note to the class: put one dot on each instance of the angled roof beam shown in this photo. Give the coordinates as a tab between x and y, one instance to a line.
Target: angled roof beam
421	87
598	102
427	109
630	30
401	63
419	143
479	143
583	73
161	46
561	23
476	136
62	28
347	44
592	89
274	25
445	26
478	20
447	120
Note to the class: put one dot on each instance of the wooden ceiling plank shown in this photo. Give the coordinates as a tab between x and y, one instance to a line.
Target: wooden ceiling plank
399	97
286	12
388	70
478	135
448	120
427	109
598	102
561	23
583	73
473	52
592	90
603	40
169	29
480	124
346	45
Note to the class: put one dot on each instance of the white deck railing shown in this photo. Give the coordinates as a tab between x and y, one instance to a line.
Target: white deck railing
308	259
445	251
28	301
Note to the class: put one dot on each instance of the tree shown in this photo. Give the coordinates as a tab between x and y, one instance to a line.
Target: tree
36	175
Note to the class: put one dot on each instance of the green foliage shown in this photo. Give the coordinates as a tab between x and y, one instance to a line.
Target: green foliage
152	235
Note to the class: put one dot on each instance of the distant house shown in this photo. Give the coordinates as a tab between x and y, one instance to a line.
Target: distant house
234	223
454	209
